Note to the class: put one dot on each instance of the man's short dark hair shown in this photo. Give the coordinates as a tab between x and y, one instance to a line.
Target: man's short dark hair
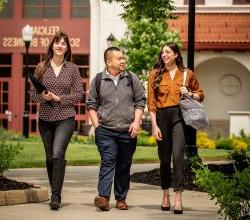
108	51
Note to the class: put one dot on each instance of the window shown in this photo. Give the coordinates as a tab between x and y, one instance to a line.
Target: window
7	10
241	2
82	61
34	59
42	8
197	2
5	65
80	9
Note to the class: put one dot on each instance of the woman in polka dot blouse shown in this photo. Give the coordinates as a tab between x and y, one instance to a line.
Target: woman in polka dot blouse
57	121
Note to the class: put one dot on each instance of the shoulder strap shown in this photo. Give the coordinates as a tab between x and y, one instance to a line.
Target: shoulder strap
98	81
184	77
130	80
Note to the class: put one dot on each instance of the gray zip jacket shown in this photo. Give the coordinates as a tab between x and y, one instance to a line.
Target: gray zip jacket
117	104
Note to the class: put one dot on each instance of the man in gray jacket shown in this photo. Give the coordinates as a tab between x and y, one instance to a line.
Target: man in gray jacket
115	104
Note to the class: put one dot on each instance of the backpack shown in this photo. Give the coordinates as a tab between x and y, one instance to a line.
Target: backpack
98	81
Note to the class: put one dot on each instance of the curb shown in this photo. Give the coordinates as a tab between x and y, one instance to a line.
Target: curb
32	195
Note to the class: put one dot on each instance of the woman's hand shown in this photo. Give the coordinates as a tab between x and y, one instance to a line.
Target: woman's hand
47	96
55	98
157	133
183	90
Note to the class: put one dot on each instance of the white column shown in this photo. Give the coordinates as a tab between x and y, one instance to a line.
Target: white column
95	30
239	120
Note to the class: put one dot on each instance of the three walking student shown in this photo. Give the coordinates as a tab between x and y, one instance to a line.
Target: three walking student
115	103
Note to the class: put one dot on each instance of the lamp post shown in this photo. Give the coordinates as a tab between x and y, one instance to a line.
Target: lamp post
110	40
27	37
191	132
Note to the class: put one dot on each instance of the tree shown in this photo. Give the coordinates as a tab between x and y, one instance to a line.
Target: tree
147	32
151	9
142	43
2	4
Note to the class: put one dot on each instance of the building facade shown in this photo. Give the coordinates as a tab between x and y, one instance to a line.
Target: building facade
84	23
222	54
222	51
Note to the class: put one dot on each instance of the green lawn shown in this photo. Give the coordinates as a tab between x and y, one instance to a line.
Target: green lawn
80	154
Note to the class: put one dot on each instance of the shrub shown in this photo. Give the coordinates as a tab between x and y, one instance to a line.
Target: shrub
224	143
9	135
232	195
245	138
240	160
8	152
204	141
82	139
239	144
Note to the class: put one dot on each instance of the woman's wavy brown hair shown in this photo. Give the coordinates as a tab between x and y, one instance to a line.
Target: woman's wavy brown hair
67	56
160	65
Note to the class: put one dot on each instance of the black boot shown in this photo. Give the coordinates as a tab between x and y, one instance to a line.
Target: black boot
57	182
49	165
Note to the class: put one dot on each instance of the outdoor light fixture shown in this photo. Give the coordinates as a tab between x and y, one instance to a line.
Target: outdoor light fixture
27	33
110	40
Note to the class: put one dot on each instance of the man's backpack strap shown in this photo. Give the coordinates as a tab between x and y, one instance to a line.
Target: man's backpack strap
130	80
98	81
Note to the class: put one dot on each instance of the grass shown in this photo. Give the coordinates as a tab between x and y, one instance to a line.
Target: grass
84	154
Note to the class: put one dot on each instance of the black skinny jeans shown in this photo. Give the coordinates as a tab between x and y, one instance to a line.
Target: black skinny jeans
171	124
56	136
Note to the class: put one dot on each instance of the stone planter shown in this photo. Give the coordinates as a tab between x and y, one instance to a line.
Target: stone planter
32	195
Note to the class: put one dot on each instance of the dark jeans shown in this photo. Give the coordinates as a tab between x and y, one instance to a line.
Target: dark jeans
56	136
171	124
116	150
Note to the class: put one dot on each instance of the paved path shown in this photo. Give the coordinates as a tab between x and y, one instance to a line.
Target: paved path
79	192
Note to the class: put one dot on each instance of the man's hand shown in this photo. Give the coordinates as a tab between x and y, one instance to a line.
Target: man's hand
133	129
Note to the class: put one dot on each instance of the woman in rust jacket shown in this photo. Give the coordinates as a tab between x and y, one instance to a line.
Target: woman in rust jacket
57	120
165	86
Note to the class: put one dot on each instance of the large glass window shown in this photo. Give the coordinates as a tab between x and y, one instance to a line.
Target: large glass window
82	61
7	10
80	9
42	8
241	2
5	65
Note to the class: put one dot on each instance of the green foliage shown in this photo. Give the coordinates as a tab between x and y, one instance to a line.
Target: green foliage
9	135
245	138
142	44
82	139
204	141
2	4
240	160
8	152
232	143
151	9
145	139
232	195
224	143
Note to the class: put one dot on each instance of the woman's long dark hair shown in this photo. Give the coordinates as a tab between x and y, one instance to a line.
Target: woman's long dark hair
160	65
67	56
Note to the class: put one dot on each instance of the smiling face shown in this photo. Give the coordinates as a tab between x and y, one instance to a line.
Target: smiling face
60	47
168	56
116	61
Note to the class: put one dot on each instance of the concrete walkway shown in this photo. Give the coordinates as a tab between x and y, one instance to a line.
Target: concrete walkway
79	192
